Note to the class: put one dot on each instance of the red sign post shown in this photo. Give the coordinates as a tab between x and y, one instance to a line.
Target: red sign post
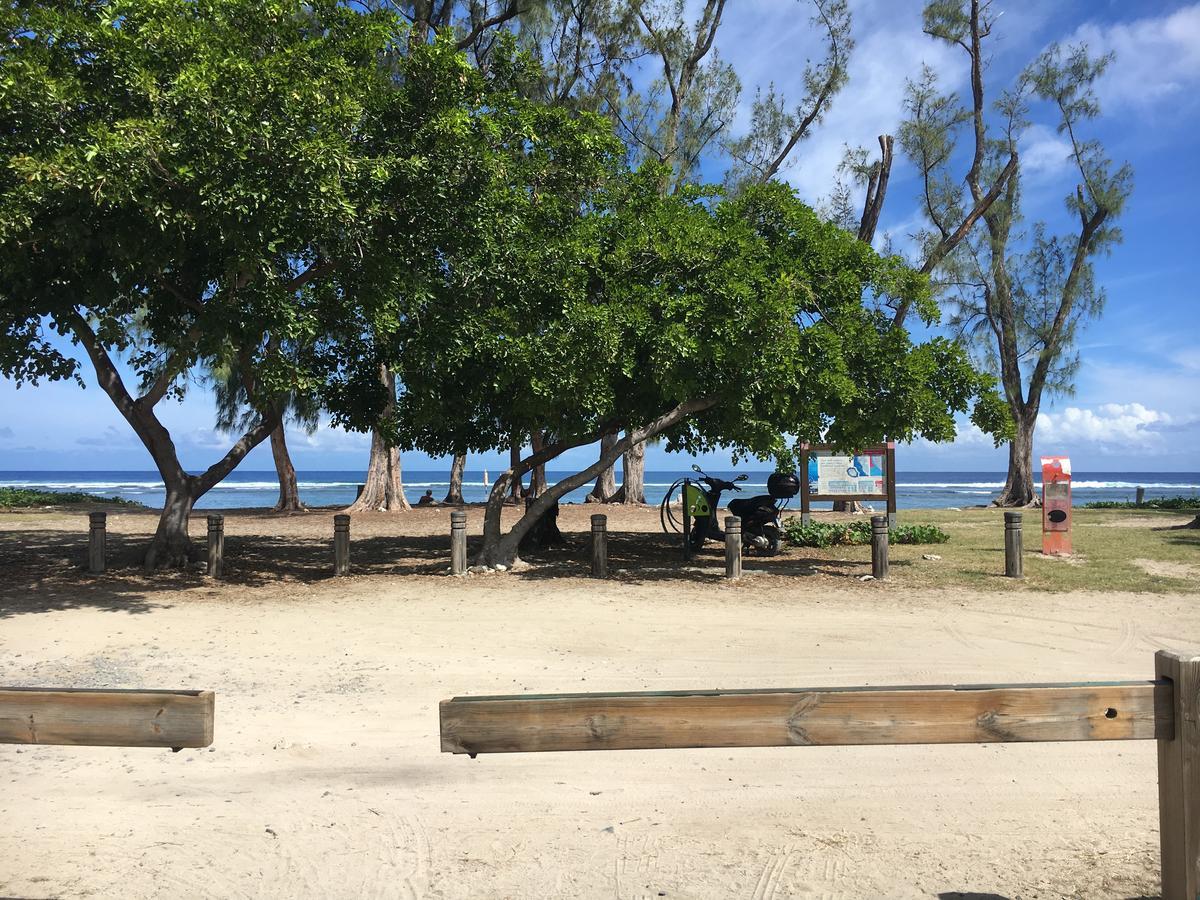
1056	506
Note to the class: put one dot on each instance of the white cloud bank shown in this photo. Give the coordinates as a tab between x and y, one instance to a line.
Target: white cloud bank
1157	58
1111	426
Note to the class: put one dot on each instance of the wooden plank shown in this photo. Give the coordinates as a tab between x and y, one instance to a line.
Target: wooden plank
1179	779
100	718
943	714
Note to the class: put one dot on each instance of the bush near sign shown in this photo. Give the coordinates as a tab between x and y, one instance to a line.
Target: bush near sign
832	474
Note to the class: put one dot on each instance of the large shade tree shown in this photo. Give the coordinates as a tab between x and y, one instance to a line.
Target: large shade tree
185	183
746	323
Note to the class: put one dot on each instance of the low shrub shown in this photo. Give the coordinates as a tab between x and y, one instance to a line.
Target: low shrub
830	534
18	498
1155	503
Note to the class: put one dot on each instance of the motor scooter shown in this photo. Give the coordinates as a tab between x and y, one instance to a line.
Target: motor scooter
762	529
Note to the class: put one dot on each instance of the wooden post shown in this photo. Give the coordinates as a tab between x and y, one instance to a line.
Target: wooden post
458	542
891	483
599	546
96	541
1179	779
879	546
216	546
733	547
1014	565
1141	496
341	544
805	502
687	522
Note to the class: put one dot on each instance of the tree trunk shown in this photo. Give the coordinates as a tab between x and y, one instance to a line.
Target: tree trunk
537	481
502	548
383	490
289	491
454	495
606	481
516	483
1019	487
171	546
633	478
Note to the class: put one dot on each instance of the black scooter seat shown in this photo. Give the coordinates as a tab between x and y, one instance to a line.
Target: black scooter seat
760	508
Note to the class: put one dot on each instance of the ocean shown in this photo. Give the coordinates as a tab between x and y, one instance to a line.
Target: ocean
914	490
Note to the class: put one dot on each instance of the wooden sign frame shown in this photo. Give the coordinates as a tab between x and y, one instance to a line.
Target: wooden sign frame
886	450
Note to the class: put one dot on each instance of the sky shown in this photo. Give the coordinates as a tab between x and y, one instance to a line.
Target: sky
1136	405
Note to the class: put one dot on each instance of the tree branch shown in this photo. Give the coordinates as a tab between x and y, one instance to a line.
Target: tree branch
510	11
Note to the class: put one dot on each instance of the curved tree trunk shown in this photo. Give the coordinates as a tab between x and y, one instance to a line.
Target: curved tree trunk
537	480
457	468
633	476
1019	486
289	490
501	548
383	490
606	481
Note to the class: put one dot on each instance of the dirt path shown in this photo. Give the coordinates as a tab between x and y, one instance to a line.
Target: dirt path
325	779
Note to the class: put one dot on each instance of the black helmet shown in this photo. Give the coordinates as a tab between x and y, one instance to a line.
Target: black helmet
783	485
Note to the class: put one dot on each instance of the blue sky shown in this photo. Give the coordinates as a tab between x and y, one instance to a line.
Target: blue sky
1137	403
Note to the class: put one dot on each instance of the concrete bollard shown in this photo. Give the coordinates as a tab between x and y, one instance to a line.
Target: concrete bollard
733	547
879	546
1141	496
216	546
96	541
341	544
458	542
1014	565
599	546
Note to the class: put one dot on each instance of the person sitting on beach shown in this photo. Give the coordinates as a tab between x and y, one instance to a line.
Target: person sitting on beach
427	499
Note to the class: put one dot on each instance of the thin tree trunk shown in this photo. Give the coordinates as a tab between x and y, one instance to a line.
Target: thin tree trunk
1019	486
633	476
289	490
537	481
516	483
383	489
457	467
606	481
502	548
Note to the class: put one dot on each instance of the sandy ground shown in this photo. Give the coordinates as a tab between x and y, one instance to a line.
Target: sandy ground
326	780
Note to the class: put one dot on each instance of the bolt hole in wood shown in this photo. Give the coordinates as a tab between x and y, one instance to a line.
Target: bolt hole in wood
1110	713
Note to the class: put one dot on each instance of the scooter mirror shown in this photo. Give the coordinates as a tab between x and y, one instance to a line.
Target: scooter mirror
742	477
695	468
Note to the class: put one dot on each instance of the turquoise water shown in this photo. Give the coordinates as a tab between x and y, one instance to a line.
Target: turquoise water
338	488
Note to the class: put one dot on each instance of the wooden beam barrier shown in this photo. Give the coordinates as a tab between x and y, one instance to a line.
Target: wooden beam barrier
104	718
948	714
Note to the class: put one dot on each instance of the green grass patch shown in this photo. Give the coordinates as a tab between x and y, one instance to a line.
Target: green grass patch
1114	550
23	498
1156	503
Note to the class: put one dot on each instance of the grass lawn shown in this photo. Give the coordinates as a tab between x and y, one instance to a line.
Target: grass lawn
1115	550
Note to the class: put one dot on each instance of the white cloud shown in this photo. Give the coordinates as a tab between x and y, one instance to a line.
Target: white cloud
1115	425
1044	152
1157	58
